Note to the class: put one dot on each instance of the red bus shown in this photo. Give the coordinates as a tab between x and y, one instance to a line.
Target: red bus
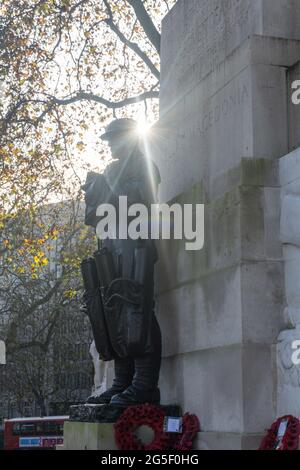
34	433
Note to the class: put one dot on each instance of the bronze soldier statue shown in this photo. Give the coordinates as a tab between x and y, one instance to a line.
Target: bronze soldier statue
119	279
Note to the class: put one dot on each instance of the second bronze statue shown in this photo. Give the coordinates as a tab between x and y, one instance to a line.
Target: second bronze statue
119	279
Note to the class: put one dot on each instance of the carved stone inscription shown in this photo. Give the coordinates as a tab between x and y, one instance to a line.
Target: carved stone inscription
210	31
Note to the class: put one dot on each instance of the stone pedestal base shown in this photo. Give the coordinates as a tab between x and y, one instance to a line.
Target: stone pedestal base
227	441
91	427
100	436
88	436
109	413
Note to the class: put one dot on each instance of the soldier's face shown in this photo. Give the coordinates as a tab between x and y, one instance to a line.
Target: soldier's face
115	144
120	145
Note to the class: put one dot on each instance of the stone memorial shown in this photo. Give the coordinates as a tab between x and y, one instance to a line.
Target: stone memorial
288	399
228	311
227	137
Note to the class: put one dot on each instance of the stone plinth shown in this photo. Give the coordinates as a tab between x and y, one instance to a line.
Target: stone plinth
89	436
225	120
223	441
91	427
220	309
108	413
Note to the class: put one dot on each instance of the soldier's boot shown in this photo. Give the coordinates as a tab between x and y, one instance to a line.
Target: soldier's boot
144	387
124	371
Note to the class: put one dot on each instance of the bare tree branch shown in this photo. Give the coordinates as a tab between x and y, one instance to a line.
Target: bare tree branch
132	45
109	104
146	22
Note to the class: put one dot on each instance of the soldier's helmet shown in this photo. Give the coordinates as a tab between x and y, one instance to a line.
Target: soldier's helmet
126	126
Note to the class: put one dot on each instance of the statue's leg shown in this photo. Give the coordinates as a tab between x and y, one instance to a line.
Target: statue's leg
124	370
144	387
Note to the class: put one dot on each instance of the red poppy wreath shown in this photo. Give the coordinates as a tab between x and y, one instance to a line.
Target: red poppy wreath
153	416
283	435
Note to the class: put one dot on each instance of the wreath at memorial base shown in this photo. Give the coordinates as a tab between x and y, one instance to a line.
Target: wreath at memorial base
290	439
184	441
153	416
